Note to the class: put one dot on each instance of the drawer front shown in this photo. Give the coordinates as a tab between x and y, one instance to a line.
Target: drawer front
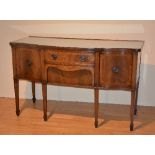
70	75
69	57
28	63
116	69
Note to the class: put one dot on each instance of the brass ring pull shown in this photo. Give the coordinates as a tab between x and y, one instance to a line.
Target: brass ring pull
28	63
54	56
115	69
83	58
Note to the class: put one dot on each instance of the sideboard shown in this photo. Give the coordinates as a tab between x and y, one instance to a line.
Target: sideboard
75	62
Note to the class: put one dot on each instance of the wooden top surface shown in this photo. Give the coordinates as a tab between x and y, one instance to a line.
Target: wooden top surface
80	43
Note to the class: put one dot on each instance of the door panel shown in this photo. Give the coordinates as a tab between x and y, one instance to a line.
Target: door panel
28	63
116	69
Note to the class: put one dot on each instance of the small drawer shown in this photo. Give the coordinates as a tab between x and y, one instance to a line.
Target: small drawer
69	57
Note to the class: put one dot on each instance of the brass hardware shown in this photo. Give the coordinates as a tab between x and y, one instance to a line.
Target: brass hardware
83	58
115	69
54	56
28	63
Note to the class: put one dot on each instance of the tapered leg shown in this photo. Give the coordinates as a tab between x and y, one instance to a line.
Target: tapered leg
44	91
135	107
96	105
133	96
136	100
16	88
33	92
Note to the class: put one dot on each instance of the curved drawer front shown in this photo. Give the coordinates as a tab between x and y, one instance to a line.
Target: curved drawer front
70	76
69	57
116	69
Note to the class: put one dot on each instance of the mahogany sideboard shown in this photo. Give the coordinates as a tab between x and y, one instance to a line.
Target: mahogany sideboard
76	62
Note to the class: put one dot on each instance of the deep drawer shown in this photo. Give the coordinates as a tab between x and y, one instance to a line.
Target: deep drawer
71	76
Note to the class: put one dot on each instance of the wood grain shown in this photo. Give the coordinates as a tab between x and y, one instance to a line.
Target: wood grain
70	57
70	76
28	63
73	118
116	68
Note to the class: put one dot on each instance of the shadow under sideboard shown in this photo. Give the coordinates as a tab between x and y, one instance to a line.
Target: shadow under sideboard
107	112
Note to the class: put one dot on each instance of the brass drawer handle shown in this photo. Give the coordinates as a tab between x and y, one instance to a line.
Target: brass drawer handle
54	56
115	69
83	58
28	63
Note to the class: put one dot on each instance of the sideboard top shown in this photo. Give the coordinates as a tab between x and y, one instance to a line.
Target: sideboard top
79	42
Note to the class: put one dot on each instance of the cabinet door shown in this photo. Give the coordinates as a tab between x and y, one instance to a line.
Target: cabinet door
28	63
116	69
